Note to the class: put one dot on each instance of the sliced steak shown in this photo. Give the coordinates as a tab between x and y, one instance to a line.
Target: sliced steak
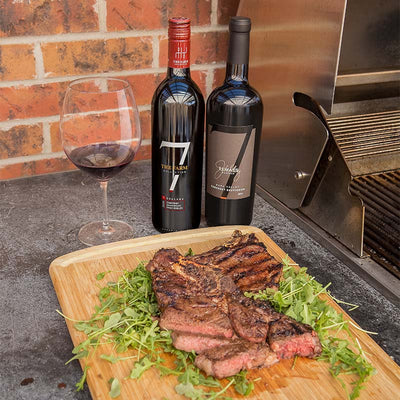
250	318
197	343
196	316
289	338
228	360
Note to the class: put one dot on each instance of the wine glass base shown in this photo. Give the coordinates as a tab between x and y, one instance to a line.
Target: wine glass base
92	234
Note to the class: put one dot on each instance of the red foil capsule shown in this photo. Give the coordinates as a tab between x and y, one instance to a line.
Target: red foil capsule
179	42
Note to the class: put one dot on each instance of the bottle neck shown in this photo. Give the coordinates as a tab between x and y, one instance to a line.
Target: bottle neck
178	72
178	57
237	65
237	73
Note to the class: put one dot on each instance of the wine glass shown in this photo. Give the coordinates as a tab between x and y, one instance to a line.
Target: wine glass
101	134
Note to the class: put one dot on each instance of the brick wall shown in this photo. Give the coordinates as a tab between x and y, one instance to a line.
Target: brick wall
44	44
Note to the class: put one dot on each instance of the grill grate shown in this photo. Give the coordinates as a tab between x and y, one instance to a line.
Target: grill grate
381	196
367	135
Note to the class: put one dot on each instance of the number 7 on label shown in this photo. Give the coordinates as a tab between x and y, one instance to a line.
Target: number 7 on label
174	145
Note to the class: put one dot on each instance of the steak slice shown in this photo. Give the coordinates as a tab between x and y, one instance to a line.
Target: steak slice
197	343
176	277
197	316
289	338
229	359
250	318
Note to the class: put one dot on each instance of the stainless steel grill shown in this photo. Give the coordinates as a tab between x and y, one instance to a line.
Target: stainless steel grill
381	196
367	135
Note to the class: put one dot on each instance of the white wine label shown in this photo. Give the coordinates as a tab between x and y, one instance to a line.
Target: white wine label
230	152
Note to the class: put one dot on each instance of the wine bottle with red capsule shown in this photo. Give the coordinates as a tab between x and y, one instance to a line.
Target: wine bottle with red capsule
177	138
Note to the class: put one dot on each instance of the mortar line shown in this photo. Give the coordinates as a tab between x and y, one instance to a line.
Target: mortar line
214	13
84	36
28	121
60	79
39	65
209	81
102	14
45	156
34	157
46	147
156	52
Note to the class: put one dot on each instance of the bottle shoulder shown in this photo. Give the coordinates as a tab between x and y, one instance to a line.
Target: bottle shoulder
174	90
235	95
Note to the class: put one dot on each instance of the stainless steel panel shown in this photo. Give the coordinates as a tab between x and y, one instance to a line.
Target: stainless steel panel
294	48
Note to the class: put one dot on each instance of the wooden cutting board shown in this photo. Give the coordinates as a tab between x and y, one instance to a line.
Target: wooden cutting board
74	279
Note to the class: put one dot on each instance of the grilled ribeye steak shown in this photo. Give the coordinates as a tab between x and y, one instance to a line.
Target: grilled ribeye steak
289	338
229	359
201	300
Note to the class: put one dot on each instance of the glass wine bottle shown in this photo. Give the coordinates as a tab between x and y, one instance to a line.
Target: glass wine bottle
234	122
177	139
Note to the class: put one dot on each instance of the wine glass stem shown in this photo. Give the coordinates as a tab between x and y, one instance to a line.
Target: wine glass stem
106	222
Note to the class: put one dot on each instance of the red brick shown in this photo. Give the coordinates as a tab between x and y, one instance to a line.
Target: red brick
55	137
82	57
38	167
154	14
145	124
44	17
205	48
144	86
17	62
227	9
31	101
144	153
21	140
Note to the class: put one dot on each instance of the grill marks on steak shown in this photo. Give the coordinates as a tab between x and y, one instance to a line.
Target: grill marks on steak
229	359
246	260
202	302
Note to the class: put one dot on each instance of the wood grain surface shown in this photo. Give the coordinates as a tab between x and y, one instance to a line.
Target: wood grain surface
74	280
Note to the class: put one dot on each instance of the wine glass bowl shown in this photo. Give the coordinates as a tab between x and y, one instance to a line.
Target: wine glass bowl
100	131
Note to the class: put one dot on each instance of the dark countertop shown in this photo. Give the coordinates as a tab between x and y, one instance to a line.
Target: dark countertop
39	219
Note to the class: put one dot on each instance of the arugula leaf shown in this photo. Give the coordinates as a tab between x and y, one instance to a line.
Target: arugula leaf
115	390
100	276
79	385
140	367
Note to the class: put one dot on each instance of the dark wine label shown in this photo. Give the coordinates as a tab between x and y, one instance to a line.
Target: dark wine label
178	53
230	151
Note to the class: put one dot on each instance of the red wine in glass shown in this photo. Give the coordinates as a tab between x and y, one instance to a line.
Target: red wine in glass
102	160
101	134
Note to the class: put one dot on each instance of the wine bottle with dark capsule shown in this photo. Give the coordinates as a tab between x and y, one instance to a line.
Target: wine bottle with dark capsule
177	139
234	122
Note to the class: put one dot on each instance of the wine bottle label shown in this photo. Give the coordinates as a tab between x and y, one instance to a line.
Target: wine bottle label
178	53
174	166
230	151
